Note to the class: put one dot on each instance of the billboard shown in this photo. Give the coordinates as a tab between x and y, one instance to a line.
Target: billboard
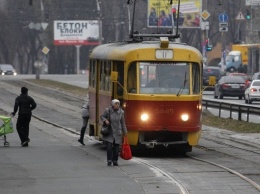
162	15
76	32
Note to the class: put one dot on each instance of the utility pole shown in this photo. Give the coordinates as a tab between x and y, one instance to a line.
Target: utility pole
39	62
99	23
223	28
204	24
78	58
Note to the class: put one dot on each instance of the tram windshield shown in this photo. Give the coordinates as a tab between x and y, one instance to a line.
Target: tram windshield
164	78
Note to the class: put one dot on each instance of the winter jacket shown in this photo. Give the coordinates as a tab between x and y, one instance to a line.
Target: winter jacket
117	123
25	103
85	109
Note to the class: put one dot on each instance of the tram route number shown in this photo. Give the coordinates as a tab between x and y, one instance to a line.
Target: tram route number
164	54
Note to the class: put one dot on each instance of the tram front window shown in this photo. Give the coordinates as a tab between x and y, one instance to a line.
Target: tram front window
164	78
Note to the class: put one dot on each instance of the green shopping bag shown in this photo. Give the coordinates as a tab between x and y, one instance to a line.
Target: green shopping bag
6	125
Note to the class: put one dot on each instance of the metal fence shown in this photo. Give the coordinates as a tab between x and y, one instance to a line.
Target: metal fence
232	107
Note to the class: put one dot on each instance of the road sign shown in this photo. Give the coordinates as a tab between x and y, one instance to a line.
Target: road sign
204	25
252	2
32	25
223	27
223	17
38	26
205	15
240	16
44	25
45	50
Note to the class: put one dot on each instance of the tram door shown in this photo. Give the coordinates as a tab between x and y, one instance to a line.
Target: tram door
118	90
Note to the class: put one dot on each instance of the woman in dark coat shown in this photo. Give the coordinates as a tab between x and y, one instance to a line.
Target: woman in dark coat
115	117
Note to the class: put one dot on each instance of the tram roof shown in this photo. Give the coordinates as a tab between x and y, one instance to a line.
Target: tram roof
119	50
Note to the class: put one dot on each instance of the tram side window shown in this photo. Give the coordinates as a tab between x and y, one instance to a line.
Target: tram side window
107	76
92	71
196	78
102	76
120	69
132	79
94	74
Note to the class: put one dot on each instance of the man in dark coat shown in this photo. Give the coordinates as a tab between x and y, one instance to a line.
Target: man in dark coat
25	104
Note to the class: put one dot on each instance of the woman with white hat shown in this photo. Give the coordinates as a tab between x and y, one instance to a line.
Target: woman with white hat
114	116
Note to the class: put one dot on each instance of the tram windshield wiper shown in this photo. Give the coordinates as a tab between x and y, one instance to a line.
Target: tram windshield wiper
183	85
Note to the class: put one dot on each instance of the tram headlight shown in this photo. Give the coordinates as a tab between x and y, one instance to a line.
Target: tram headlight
185	117
144	117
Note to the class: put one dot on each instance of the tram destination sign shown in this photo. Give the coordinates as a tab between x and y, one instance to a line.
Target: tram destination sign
76	32
164	54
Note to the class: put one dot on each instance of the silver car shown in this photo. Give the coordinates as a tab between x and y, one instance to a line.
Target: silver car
7	69
252	93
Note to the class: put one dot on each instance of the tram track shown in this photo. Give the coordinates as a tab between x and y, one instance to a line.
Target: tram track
165	171
248	147
254	184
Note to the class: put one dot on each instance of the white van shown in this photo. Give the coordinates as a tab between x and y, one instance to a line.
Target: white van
7	69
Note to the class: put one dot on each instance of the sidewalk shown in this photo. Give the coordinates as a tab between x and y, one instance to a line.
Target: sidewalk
55	162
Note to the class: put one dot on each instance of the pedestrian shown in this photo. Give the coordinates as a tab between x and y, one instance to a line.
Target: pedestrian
85	117
118	129
25	104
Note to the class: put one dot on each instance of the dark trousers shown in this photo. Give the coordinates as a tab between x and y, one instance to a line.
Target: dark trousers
84	126
112	151
22	127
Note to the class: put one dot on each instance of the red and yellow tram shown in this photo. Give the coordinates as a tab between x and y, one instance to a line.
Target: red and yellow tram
159	85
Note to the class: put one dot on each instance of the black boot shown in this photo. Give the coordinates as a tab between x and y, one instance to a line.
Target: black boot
82	133
81	141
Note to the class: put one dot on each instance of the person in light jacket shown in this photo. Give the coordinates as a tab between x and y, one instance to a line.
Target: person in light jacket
85	117
115	138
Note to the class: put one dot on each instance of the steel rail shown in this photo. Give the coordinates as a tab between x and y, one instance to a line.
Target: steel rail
231	171
173	180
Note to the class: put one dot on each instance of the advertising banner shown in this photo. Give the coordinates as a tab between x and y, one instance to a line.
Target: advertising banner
162	15
76	32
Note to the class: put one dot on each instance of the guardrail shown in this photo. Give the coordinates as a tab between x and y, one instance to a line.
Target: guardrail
232	107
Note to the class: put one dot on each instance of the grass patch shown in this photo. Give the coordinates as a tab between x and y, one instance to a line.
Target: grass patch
60	86
229	124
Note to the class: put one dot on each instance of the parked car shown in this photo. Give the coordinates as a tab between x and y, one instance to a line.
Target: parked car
214	72
256	76
244	76
252	93
230	86
7	69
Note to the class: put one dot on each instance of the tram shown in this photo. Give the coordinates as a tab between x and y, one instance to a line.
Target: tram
159	84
